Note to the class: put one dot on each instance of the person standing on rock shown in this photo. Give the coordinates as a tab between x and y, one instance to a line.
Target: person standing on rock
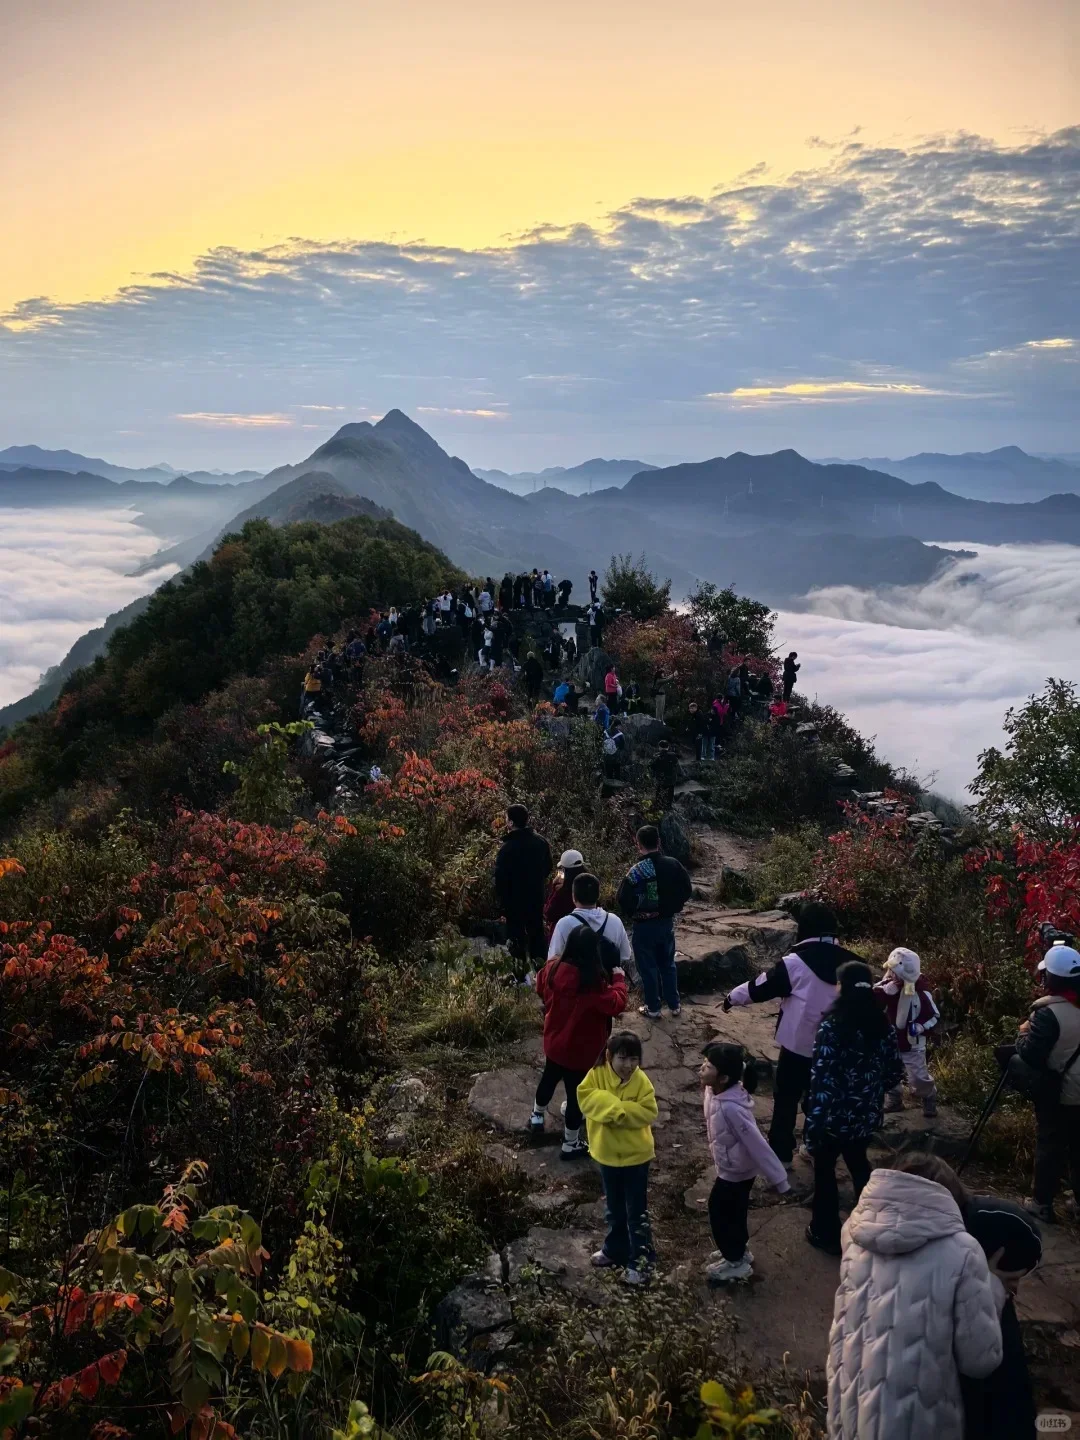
582	989
660	683
805	982
619	1104
790	672
855	1062
740	1153
594	581
665	772
910	1010
534	677
522	867
652	893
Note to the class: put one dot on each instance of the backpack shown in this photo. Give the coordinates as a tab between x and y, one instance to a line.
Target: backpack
610	748
607	950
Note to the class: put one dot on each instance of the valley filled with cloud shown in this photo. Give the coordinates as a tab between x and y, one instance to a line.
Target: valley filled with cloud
62	571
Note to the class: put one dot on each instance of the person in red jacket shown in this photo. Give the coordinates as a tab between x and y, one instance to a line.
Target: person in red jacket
580	1000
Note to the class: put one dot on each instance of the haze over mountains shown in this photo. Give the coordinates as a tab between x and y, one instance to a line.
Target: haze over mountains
580	479
17	456
778	526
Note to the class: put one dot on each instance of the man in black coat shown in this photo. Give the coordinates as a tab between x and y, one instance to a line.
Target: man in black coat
522	867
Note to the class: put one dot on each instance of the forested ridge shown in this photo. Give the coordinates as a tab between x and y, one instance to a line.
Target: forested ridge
242	1010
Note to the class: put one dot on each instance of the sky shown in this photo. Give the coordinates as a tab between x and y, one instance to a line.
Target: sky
545	232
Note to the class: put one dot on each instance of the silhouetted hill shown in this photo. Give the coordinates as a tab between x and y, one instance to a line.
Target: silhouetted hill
1008	474
16	456
744	492
581	479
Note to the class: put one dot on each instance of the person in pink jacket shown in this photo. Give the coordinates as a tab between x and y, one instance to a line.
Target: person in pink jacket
740	1153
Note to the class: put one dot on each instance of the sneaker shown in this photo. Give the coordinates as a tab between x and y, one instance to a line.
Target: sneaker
562	1108
602	1260
650	1014
929	1108
571	1149
716	1257
676	1012
829	1247
635	1277
804	1154
729	1270
536	1123
1045	1213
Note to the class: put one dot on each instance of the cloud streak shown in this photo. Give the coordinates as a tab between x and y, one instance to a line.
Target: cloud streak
900	278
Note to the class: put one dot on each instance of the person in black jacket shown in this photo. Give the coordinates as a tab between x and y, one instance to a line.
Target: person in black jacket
522	867
665	771
534	676
651	895
790	672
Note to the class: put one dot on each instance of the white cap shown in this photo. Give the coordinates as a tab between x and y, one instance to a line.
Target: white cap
1063	961
570	859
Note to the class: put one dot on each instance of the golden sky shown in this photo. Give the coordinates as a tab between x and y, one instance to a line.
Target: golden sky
135	136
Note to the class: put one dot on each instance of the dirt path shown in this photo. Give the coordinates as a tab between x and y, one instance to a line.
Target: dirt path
784	1312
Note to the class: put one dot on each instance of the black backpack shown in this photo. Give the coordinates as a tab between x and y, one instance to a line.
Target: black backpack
607	950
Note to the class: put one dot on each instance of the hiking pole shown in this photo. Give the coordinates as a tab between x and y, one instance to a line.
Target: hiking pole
980	1124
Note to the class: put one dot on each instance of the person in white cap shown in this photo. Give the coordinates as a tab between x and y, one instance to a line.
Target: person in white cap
912	1013
1049	1041
560	900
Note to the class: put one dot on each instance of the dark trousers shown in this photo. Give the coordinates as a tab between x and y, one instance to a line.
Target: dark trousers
654	955
549	1082
729	1203
825	1215
789	1087
1057	1150
525	933
626	1193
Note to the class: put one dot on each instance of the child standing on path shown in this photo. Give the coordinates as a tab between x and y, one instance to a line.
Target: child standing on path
740	1153
619	1105
912	1013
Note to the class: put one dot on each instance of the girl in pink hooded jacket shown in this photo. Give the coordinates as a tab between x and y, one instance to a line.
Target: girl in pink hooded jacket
740	1153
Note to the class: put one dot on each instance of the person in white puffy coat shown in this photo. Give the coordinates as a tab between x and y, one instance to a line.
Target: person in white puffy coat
916	1309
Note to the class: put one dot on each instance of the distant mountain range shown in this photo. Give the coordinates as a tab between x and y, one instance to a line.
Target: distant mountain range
1008	474
16	456
777	526
580	479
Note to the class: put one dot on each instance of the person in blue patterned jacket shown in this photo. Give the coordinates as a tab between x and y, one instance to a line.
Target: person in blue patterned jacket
856	1060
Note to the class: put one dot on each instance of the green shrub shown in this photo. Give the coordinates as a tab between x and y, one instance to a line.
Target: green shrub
786	864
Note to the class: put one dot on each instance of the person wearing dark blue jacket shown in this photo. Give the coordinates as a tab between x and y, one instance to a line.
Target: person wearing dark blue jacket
856	1060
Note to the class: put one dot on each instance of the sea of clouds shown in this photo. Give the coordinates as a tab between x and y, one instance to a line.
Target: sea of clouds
931	669
62	571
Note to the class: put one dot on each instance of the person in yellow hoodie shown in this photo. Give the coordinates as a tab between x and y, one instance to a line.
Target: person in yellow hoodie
619	1104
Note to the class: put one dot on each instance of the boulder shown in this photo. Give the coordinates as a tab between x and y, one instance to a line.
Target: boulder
562	1256
675	837
725	965
590	670
473	1310
644	729
504	1099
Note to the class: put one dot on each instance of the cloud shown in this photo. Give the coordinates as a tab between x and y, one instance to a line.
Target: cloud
475	414
932	669
62	571
826	390
229	420
878	273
